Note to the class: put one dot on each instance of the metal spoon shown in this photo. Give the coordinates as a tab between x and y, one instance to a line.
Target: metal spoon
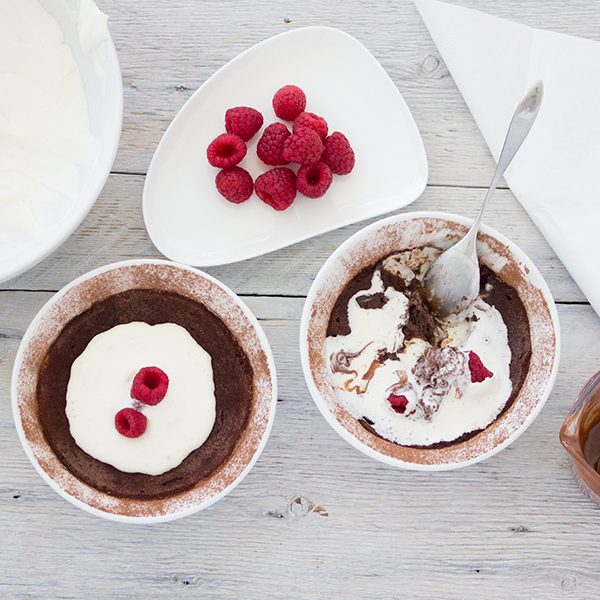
452	280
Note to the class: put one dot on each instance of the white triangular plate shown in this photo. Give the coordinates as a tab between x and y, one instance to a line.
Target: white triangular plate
189	221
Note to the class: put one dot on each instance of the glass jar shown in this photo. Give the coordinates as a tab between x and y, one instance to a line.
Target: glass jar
580	435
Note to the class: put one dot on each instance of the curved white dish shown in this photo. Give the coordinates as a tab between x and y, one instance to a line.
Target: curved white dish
104	91
190	222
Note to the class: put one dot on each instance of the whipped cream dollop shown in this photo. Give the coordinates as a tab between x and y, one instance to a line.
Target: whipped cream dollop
46	145
91	26
376	365
100	386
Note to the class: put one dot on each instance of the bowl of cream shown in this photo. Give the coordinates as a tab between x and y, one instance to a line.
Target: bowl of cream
61	111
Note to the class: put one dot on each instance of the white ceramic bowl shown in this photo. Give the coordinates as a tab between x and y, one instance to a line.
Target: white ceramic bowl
404	232
101	76
77	297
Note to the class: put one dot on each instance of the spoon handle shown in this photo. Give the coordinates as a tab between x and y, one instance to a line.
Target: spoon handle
518	129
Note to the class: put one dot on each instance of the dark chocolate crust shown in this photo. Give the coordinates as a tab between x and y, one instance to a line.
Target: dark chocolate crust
506	300
422	324
233	378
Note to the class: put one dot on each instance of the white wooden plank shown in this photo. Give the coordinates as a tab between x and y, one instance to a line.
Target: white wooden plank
167	53
114	230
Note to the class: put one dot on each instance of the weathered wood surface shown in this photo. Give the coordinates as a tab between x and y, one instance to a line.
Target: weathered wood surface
315	518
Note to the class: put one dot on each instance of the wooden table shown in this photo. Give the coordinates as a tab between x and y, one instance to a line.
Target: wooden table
315	518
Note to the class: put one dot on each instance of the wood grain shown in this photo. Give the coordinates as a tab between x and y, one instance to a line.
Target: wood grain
314	518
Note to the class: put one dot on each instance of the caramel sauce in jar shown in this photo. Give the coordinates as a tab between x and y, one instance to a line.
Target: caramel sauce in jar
591	445
580	436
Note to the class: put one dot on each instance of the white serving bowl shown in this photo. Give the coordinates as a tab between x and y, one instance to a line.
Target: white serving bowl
442	230
101	76
76	298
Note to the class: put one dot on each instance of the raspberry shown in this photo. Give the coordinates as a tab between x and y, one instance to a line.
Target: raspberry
276	187
314	180
226	150
243	121
479	372
150	385
304	146
270	145
235	184
130	422
338	154
289	102
398	403
312	121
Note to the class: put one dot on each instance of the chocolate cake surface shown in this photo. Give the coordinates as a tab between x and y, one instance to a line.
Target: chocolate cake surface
422	323
233	379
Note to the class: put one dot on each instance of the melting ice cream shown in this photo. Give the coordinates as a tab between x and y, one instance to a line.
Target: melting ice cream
414	379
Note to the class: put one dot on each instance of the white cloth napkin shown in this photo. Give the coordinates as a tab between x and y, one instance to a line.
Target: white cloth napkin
556	173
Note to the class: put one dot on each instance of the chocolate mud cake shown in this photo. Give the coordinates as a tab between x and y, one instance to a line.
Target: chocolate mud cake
115	317
417	363
365	328
232	378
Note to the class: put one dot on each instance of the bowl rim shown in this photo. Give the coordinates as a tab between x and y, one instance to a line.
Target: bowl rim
426	461
246	452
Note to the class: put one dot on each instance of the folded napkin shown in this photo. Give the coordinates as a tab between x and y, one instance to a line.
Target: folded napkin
556	173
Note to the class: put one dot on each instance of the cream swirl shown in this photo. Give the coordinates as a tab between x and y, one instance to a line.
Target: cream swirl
435	397
100	386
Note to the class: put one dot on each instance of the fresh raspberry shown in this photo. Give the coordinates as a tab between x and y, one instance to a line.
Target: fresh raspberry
130	422
398	403
289	102
304	146
276	187
243	121
270	145
338	154
235	184
149	385
479	372
226	150
312	121
314	180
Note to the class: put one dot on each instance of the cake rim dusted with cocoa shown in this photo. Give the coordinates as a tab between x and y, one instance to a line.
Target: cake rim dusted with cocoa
407	232
164	283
